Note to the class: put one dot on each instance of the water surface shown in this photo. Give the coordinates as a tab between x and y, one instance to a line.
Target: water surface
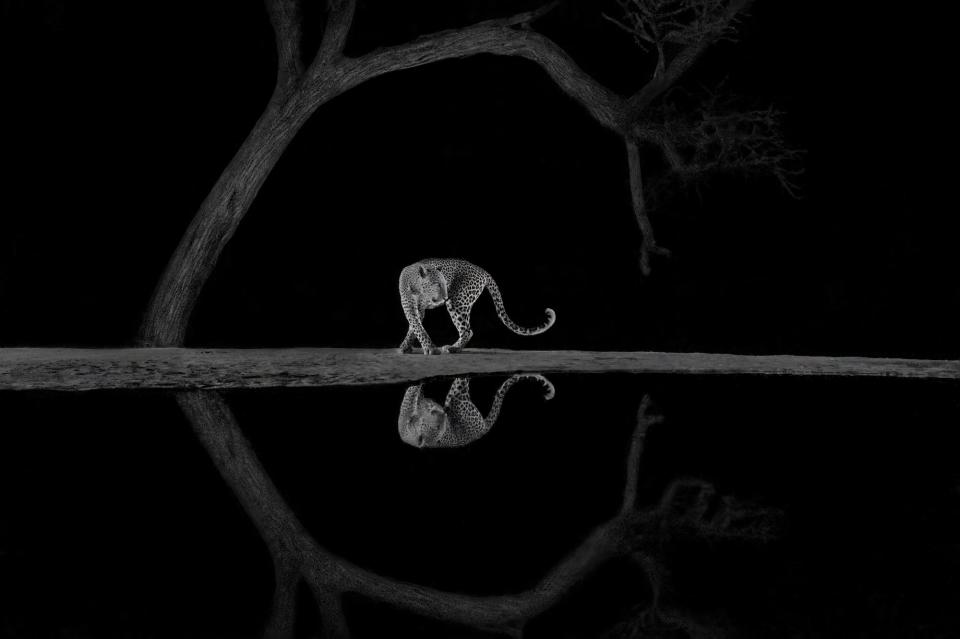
116	521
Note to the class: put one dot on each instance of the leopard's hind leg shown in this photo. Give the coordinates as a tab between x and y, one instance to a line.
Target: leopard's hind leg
463	295
461	319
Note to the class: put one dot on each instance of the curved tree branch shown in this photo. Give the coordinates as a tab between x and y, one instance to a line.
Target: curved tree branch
288	541
626	534
507	37
299	93
295	100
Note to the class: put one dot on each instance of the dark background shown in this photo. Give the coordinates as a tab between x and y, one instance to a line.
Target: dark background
122	115
119	118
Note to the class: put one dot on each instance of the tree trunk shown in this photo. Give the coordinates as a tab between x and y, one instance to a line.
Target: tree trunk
214	224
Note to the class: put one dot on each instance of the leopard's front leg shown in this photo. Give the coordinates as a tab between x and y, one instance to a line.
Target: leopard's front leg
417	332
409	342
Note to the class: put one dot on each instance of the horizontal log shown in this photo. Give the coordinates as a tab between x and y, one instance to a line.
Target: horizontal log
77	369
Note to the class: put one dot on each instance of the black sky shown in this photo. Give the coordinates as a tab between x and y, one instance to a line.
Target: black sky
121	116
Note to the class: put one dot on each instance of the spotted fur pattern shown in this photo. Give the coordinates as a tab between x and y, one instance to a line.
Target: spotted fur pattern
455	284
426	424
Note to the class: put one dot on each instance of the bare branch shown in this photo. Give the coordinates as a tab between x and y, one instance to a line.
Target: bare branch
636	21
692	506
644	422
696	20
339	20
654	24
718	137
648	246
285	18
711	21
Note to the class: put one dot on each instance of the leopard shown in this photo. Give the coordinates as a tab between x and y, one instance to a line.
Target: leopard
424	423
456	284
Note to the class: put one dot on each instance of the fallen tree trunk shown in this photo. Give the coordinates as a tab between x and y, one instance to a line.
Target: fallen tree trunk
76	369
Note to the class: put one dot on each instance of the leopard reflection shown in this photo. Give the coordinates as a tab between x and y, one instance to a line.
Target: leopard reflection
425	423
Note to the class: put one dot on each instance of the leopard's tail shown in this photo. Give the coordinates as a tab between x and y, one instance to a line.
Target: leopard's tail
509	323
548	393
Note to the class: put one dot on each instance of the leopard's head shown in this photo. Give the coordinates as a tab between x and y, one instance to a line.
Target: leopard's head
423	422
433	286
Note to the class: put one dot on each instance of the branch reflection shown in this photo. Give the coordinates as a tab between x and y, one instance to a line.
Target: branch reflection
686	507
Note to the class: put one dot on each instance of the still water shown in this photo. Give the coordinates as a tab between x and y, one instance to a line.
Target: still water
612	505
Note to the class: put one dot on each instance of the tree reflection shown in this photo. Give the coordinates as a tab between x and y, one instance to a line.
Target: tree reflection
687	507
457	422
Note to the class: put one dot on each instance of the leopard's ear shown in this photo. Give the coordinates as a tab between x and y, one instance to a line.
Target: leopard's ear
423	271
